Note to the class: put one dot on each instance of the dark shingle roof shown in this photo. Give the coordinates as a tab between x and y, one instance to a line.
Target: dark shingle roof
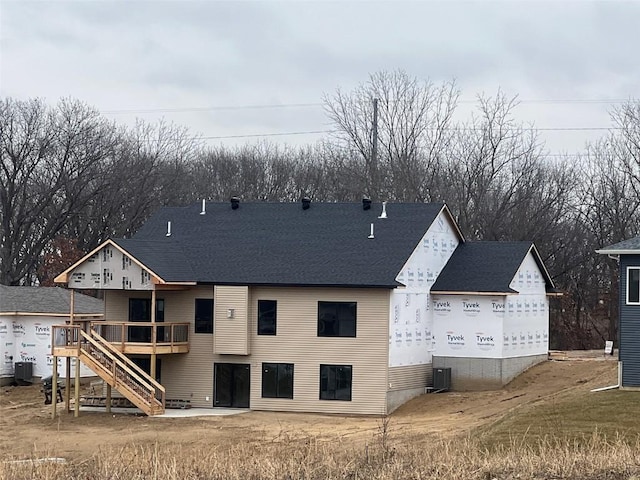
52	300
485	267
632	244
282	244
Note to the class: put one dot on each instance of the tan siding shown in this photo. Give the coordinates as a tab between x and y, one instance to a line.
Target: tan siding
187	376
410	376
231	334
297	342
190	376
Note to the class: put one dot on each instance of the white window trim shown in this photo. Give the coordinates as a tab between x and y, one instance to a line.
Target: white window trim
627	286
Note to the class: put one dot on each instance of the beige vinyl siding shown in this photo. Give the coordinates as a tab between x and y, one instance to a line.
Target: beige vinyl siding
410	376
185	376
297	342
231	334
190	376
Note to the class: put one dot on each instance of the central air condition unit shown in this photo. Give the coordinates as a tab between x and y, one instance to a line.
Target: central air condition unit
442	378
23	374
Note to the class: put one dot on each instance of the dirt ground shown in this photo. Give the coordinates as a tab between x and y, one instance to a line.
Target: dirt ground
27	430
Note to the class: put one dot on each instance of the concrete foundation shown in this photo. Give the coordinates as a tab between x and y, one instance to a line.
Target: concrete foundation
473	374
398	397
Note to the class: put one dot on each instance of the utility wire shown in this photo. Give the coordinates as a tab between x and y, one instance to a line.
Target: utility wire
316	104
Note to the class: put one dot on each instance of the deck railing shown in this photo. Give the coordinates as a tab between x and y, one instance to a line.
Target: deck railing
161	334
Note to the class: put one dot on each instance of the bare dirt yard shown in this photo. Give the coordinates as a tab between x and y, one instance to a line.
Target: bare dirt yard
27	430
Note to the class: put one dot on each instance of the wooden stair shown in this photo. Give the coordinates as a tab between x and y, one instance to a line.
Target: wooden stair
121	373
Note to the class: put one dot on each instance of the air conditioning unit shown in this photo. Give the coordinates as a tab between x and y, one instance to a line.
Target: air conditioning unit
23	373
442	378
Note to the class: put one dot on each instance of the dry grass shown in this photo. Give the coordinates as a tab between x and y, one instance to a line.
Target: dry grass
613	414
597	457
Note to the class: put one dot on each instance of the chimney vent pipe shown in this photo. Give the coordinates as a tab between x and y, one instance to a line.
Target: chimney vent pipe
235	203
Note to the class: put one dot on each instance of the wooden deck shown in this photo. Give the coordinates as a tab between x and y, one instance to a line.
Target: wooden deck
141	338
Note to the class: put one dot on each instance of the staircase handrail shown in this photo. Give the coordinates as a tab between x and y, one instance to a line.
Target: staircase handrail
127	365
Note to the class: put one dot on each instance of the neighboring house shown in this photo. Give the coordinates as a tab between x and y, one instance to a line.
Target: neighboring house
323	307
628	255
26	317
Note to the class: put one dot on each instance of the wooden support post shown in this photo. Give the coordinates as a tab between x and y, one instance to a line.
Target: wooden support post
76	407
54	386
154	334
69	337
108	401
67	386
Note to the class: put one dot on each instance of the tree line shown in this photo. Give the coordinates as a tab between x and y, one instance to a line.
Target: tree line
70	178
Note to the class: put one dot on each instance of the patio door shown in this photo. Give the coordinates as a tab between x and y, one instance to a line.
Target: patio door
231	385
140	311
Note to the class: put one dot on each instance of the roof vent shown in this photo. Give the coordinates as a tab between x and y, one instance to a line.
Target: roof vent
204	207
384	210
306	203
366	203
235	203
371	234
168	229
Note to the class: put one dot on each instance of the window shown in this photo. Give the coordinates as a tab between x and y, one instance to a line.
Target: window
633	285
277	380
267	317
204	315
335	382
336	319
140	310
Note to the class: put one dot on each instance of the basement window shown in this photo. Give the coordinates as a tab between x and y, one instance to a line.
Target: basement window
633	285
277	380
335	382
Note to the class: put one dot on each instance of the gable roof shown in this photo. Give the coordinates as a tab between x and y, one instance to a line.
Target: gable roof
46	300
486	268
282	243
626	247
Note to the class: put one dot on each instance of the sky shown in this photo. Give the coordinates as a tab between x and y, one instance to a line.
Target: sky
243	69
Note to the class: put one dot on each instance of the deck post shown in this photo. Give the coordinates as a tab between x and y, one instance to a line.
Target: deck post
154	335
67	386
67	381
54	387
108	400
76	407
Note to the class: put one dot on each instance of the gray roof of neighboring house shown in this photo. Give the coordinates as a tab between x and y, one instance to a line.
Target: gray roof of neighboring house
631	245
53	300
486	267
282	244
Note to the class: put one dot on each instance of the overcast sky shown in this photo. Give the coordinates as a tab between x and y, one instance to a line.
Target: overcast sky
569	62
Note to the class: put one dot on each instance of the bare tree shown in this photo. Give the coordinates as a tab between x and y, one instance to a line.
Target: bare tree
412	131
47	172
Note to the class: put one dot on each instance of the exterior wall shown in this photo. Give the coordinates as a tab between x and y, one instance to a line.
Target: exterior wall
527	313
411	316
109	268
297	342
629	328
190	376
231	334
473	374
468	326
27	338
407	382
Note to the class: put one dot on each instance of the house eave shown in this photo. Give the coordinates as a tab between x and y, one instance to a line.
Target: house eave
618	252
471	292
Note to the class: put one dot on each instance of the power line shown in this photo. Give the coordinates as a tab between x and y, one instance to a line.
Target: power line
207	109
316	132
128	111
277	134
